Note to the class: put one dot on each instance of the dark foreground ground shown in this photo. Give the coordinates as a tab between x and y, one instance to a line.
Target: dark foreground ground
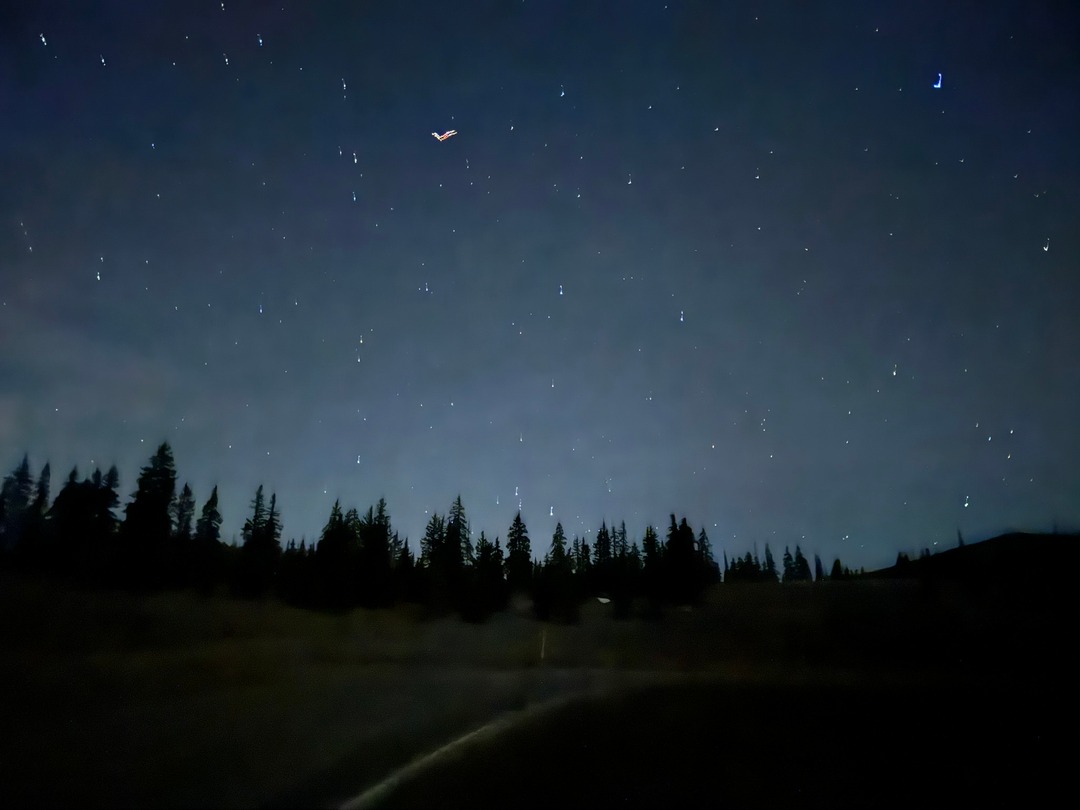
844	694
745	745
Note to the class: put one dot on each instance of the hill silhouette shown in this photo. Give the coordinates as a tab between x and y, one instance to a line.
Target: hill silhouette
1029	562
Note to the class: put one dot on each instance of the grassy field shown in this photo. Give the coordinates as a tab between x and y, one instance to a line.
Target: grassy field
180	700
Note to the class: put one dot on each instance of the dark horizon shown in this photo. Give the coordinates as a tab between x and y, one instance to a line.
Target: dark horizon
803	276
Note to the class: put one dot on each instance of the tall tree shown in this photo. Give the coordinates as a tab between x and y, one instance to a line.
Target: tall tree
208	527
603	561
518	556
185	514
254	525
335	557
819	569
769	572
147	522
431	544
376	540
710	571
553	592
557	557
261	551
619	548
459	550
41	497
789	566
17	491
681	564
208	551
801	567
486	591
652	564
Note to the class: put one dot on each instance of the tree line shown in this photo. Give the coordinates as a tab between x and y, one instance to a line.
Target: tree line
165	541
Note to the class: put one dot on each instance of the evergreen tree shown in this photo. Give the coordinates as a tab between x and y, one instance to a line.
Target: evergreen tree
34	526
208	527
518	556
35	543
789	566
185	514
819	569
769	572
17	491
147	523
553	592
603	568
254	525
261	551
431	544
459	550
376	539
709	570
652	564
557	557
406	587
619	548
682	568
800	567
335	557
837	571
207	550
69	518
486	592
441	563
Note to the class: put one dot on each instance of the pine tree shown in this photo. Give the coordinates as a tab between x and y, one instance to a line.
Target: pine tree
69	519
652	564
147	522
207	552
261	551
801	567
253	526
431	544
769	573
603	570
376	540
208	527
556	556
837	571
16	493
819	569
185	514
335	557
681	564
518	556
789	566
553	593
709	570
40	504
459	550
619	548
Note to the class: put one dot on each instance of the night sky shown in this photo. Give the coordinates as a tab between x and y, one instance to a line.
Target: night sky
743	262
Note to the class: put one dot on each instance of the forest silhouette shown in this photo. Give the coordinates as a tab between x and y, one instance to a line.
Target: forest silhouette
163	541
